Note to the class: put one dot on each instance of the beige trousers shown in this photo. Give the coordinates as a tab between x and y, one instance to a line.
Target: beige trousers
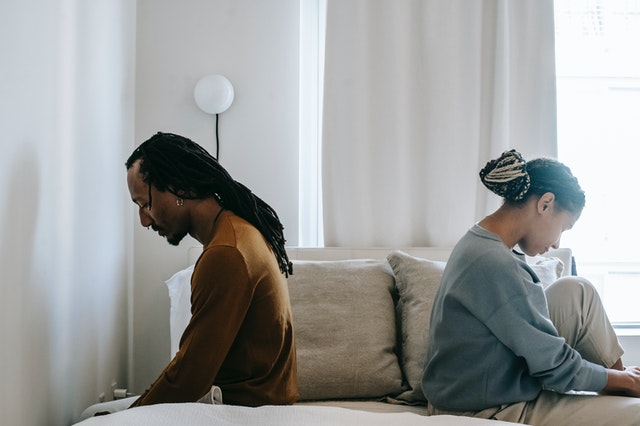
577	312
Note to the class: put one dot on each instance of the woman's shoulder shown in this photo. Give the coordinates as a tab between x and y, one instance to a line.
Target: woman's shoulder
478	242
478	254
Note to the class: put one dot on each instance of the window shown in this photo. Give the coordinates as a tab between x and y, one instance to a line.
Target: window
312	25
598	90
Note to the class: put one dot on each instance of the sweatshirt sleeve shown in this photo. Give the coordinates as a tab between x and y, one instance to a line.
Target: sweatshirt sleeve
519	318
221	296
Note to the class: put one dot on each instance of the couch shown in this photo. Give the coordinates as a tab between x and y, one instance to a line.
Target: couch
361	319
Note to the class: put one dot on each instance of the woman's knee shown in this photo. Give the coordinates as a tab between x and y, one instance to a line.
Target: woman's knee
572	287
571	300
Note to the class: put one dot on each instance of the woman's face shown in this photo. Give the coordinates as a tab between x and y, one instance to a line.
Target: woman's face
547	226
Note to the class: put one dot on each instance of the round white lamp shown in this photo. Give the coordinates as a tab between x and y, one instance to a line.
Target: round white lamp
213	93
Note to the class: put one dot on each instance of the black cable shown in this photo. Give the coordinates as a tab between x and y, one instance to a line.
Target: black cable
217	140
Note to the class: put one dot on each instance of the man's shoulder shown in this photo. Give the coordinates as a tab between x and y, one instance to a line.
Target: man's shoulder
219	253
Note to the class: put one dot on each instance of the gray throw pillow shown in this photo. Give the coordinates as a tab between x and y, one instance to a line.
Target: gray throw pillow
417	281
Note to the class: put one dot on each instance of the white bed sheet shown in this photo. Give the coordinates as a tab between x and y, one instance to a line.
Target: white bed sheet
196	414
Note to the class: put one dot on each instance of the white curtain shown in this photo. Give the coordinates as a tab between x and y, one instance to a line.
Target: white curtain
418	96
66	103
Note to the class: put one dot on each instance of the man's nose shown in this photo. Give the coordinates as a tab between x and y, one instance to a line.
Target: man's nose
145	218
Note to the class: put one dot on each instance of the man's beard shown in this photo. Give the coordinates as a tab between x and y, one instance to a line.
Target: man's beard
174	240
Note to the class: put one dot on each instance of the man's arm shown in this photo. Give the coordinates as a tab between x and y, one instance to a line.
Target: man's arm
221	296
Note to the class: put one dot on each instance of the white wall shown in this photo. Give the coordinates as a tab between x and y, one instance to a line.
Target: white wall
254	43
68	243
66	114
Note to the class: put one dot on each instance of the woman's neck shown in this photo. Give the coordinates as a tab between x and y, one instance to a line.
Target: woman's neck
505	223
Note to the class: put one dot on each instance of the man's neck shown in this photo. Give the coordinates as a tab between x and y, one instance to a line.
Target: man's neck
204	217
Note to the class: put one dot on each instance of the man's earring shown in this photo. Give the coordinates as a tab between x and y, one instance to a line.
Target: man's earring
180	202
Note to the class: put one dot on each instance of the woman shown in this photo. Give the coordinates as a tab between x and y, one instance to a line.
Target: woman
502	347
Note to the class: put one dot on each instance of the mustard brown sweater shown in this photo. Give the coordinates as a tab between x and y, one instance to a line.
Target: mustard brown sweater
240	336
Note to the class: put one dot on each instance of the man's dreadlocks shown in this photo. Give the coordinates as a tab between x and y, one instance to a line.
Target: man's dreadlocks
176	164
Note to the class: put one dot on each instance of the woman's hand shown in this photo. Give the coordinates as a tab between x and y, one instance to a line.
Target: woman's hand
625	381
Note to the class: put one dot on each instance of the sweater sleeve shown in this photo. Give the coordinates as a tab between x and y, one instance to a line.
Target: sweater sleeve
520	320
221	297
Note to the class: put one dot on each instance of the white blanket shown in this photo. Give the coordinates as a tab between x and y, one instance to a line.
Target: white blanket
196	414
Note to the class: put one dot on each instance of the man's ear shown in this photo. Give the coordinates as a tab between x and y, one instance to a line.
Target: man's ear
546	201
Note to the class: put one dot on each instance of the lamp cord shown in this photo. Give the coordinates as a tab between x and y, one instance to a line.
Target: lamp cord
217	140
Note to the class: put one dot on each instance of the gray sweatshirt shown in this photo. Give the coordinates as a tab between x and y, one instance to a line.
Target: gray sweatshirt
491	341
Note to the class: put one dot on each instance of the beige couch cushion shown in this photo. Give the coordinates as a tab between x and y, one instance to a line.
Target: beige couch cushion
417	281
344	320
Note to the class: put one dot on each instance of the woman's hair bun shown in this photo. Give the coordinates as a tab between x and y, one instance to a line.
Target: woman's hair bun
507	176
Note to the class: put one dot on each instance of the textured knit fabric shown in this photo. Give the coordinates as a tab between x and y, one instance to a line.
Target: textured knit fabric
491	341
240	336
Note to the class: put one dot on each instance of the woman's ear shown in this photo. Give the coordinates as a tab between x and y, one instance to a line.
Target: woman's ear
545	202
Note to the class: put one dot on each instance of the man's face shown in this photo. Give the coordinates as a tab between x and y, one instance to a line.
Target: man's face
157	209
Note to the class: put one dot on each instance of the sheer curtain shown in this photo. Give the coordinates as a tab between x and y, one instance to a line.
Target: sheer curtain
66	113
418	95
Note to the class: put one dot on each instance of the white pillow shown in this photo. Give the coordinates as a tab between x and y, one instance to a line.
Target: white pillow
548	269
179	286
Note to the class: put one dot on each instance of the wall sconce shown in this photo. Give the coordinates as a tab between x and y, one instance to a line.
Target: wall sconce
214	94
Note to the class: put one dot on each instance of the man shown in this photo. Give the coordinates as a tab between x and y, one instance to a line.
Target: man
240	336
